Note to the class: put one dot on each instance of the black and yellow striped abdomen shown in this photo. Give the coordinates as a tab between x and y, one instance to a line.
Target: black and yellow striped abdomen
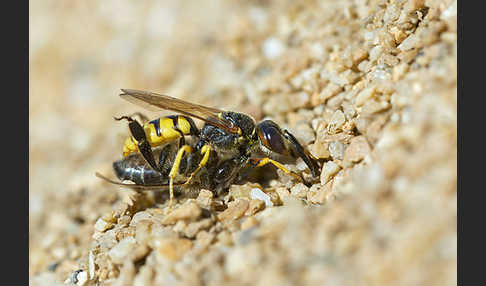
162	130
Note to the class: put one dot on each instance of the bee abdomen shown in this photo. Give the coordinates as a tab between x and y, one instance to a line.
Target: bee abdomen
139	174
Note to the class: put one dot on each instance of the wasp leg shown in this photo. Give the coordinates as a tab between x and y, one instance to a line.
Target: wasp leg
143	145
175	170
263	161
143	118
309	161
206	151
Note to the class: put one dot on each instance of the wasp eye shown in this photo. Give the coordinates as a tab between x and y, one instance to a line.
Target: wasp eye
271	137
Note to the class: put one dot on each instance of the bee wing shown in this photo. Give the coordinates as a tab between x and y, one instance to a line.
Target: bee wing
149	100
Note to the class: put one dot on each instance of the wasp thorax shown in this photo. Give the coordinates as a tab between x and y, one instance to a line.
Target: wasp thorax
244	122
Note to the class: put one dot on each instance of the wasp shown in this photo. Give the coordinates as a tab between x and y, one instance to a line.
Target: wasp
219	153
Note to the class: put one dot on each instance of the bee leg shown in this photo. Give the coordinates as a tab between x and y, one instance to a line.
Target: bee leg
263	161
206	151
143	145
175	170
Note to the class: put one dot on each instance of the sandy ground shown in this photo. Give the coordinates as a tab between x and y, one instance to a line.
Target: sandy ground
369	87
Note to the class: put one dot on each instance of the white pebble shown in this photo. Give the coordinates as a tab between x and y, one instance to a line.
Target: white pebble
300	190
336	149
450	12
120	251
328	170
273	48
102	225
91	265
257	194
81	278
364	95
337	120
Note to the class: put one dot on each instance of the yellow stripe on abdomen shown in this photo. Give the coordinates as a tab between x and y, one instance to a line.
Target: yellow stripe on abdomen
167	130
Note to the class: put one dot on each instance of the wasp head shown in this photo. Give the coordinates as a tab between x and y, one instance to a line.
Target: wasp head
272	138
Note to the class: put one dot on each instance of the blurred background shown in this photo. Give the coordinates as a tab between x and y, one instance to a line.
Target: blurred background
326	70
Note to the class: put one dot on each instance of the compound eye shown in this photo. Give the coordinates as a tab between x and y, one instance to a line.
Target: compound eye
271	137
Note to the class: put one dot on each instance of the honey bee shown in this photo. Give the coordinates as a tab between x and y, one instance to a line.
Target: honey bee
221	152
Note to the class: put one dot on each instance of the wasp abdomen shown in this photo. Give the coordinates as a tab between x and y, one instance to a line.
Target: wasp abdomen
162	130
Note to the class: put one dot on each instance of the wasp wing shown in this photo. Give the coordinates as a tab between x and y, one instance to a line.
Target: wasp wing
134	186
138	188
149	100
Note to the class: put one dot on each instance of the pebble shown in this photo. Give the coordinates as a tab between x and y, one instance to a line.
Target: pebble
124	220
283	193
174	248
255	206
273	48
375	53
318	194
235	210
257	194
337	121
125	232
364	95
140	252
144	276
373	106
328	170
121	250
319	150
80	277
409	43
249	223
336	149
304	134
359	55
299	190
189	211
357	149
91	265
126	276
399	71
102	225
143	231
205	198
140	216
193	228
329	91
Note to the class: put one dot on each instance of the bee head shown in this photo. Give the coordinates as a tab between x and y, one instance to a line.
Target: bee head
272	138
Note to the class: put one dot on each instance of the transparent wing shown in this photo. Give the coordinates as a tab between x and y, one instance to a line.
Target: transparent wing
138	188
149	100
